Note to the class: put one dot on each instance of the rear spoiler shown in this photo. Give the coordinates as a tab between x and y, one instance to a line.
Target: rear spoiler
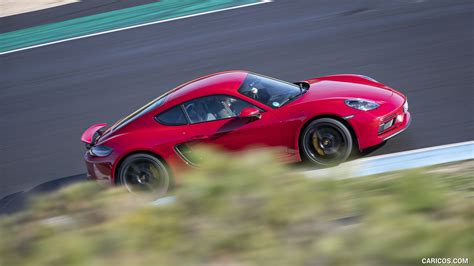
91	134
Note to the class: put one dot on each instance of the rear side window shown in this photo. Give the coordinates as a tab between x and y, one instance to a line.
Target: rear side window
172	117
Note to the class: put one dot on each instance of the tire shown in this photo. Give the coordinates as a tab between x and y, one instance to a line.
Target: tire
143	172
326	142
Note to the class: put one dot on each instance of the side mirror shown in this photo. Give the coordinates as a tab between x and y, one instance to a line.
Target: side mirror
250	112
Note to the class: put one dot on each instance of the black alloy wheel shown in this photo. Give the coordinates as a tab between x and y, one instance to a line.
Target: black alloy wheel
144	173
326	142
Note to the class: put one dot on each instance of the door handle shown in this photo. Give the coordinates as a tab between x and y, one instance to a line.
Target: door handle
200	137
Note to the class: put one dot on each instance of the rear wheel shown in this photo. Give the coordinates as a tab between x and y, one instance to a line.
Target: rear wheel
326	142
144	173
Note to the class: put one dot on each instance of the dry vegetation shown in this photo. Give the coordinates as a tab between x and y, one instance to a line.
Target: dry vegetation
246	210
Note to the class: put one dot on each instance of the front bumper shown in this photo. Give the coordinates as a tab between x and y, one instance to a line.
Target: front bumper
368	128
406	121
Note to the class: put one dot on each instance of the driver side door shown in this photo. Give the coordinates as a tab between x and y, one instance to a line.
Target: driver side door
215	120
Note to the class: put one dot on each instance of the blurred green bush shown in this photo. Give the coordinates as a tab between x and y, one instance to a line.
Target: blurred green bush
246	209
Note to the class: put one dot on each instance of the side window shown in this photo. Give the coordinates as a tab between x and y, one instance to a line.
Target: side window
214	108
172	117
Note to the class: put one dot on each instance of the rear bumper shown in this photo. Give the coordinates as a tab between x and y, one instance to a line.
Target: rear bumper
103	169
97	169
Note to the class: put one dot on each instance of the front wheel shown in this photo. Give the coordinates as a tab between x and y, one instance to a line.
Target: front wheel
326	142
144	173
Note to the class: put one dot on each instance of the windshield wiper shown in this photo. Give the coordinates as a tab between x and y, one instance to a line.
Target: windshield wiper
301	88
302	91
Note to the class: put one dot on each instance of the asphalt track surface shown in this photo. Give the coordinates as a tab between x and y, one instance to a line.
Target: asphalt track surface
49	95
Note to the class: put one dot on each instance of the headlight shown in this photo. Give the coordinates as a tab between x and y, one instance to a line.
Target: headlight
405	106
100	151
361	104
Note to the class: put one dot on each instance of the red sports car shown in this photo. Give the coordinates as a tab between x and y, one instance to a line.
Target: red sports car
321	120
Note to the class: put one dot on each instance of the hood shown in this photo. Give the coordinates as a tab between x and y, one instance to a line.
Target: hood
336	87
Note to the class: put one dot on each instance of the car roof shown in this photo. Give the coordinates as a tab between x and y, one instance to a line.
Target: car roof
227	82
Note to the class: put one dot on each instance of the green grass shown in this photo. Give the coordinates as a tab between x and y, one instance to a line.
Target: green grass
247	210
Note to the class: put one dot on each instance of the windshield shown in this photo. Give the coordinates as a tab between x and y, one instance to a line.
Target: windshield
269	91
143	110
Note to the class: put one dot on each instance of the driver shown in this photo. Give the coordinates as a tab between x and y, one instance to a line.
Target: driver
257	91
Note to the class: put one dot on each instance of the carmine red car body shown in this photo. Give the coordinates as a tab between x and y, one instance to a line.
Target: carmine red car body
321	119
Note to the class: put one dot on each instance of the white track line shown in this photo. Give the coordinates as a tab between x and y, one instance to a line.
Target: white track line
416	151
399	161
135	26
